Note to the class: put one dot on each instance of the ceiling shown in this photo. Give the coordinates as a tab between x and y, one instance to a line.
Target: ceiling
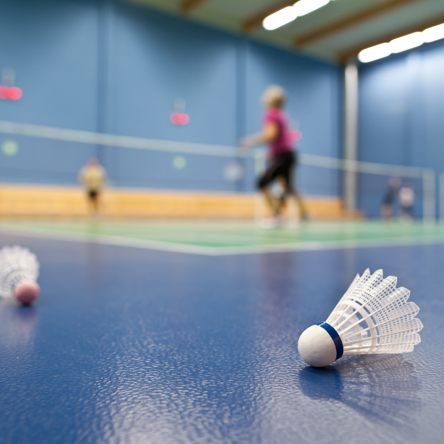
335	32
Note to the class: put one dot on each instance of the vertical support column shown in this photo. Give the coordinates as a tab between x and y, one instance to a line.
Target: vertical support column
351	134
429	196
103	24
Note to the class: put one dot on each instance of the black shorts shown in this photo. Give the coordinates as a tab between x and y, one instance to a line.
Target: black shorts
281	165
92	194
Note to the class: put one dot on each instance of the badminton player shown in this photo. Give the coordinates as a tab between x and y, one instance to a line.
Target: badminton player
390	196
282	159
93	178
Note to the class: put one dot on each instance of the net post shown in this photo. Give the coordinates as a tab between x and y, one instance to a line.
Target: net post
429	195
441	196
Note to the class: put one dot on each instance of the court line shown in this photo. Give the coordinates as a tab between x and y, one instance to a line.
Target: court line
109	240
177	237
328	245
218	251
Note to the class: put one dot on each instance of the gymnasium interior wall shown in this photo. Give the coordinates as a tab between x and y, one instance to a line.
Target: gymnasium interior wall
401	116
110	66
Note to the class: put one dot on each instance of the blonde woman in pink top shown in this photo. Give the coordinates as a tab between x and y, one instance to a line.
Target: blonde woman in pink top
281	155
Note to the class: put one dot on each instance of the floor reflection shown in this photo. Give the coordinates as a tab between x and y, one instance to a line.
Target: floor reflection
383	387
17	326
278	292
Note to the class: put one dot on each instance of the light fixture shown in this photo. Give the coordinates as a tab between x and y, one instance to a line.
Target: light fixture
407	42
375	53
400	44
304	7
434	33
290	13
279	18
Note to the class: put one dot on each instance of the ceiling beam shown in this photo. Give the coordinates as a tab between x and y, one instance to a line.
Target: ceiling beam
188	5
354	51
351	21
255	20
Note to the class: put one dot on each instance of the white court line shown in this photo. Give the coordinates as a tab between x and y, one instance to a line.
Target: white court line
109	240
320	246
210	251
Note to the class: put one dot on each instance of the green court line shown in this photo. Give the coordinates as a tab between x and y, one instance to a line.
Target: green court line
220	238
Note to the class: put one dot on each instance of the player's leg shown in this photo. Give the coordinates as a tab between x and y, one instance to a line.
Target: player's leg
406	212
269	199
282	201
97	203
93	202
264	182
300	203
89	202
291	190
386	211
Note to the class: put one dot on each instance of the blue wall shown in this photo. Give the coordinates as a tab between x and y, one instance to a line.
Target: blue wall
53	48
114	67
401	116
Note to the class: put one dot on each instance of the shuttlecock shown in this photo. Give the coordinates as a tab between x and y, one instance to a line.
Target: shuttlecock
372	317
19	270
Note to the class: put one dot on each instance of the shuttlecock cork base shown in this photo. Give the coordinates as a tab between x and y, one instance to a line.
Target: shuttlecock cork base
19	270
320	345
372	317
26	292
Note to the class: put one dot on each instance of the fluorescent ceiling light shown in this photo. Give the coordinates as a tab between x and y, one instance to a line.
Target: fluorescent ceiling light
435	33
401	44
374	53
288	14
407	42
304	7
279	18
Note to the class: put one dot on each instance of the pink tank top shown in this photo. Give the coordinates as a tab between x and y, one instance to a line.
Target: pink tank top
281	144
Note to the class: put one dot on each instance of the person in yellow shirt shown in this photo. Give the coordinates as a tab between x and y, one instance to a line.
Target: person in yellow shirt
93	178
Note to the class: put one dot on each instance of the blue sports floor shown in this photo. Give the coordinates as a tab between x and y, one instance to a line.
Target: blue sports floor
130	345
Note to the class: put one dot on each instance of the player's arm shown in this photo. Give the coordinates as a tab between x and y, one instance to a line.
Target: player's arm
268	134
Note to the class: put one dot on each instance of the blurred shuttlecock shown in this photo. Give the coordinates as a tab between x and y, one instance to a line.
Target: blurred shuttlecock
19	270
372	317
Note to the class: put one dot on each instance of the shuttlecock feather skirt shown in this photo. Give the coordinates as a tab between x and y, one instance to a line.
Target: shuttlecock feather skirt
372	317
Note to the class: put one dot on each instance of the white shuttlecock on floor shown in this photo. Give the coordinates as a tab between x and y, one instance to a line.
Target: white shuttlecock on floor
372	317
19	270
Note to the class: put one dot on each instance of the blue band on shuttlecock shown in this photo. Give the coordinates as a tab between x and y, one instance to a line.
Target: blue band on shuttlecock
335	337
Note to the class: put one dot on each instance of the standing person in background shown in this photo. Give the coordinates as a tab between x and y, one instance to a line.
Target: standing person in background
389	198
281	155
93	178
406	201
